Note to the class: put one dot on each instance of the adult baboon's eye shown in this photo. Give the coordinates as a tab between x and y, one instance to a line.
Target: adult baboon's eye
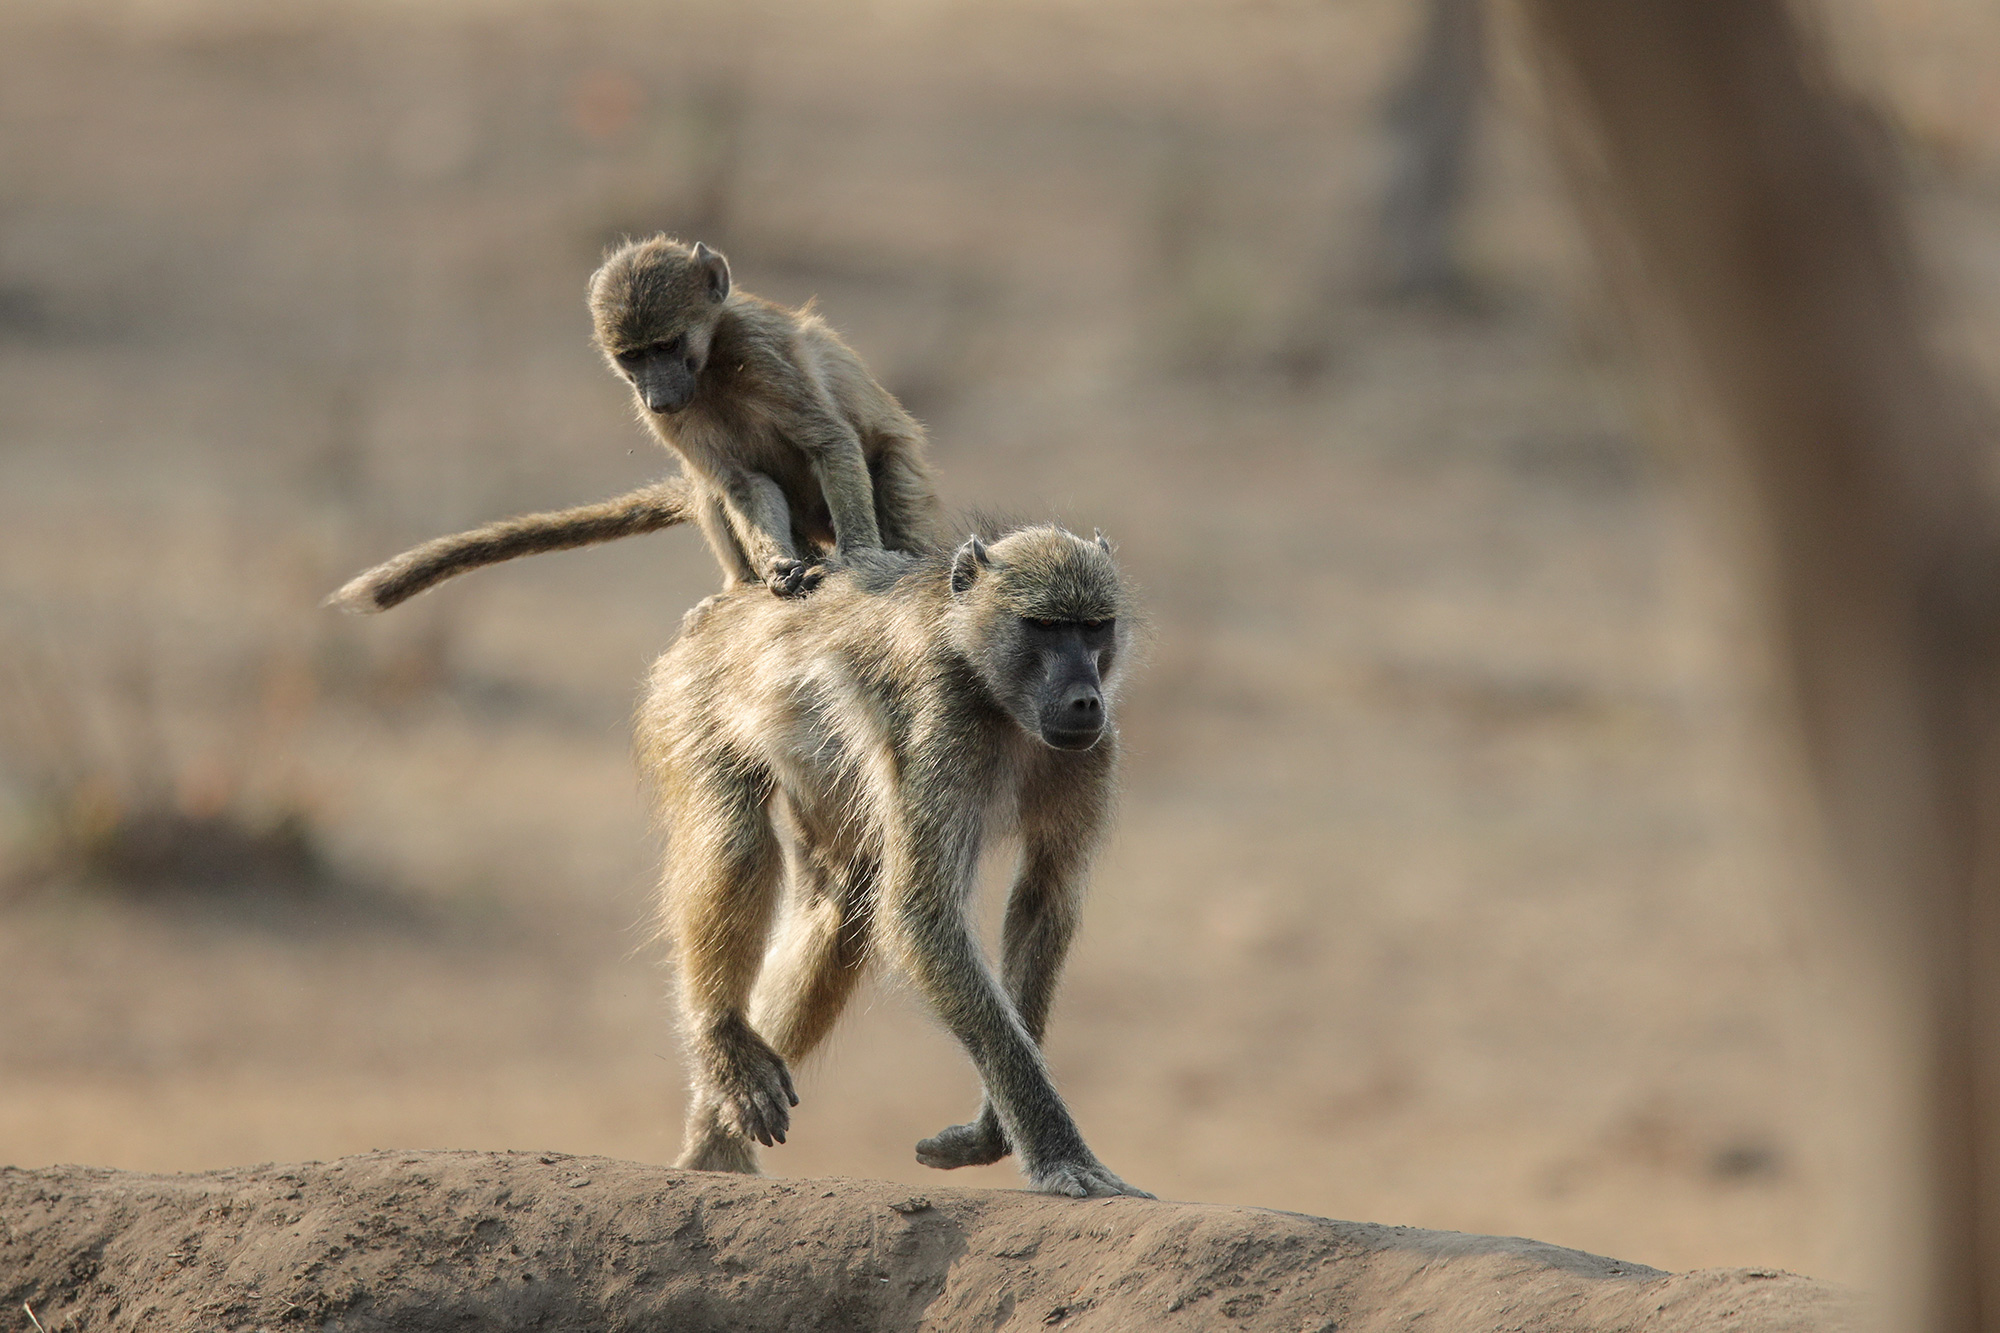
673	345
1043	624
1093	626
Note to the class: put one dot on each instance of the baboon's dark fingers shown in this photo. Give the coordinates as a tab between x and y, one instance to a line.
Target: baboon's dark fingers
793	578
756	1117
756	1106
1083	1180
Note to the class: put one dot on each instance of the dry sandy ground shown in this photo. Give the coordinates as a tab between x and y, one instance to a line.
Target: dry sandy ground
1460	880
548	1241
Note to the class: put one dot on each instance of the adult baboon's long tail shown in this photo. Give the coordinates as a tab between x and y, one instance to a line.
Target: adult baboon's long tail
648	509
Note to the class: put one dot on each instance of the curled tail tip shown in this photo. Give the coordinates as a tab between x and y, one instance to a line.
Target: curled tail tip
356	597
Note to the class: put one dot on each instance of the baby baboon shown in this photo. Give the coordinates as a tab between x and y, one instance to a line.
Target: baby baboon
787	436
793	444
888	725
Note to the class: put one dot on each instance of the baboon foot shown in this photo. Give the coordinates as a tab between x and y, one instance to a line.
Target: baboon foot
793	578
709	1146
752	1091
980	1143
721	1152
1082	1180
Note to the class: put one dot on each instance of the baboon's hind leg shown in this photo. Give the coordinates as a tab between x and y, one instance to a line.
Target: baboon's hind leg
906	501
721	889
821	955
713	516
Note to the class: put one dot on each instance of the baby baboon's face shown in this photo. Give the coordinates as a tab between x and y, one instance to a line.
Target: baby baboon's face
655	305
1038	617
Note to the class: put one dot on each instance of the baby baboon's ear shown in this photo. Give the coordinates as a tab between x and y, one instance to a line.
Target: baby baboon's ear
716	267
966	564
1097	535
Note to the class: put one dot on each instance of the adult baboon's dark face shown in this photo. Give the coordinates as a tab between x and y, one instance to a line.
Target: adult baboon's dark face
1037	615
1067	660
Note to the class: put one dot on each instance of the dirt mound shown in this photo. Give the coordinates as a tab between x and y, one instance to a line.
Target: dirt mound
434	1240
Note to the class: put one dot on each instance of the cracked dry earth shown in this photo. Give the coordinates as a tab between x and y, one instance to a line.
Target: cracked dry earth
500	1241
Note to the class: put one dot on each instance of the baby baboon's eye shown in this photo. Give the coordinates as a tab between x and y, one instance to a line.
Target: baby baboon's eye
673	345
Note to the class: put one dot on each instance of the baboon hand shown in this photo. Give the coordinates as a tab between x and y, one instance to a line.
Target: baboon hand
1082	1180
793	578
754	1098
980	1143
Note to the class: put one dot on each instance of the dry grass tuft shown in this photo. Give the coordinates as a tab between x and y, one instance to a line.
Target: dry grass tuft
106	799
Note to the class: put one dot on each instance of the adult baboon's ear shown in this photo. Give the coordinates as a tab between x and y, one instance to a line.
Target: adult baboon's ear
716	267
966	564
1097	535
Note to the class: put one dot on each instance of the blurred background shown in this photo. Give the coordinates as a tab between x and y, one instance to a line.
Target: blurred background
1463	877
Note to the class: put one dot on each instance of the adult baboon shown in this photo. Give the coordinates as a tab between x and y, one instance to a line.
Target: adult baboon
888	725
791	446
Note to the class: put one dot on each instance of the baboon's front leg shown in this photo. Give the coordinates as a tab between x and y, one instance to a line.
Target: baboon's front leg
1041	921
924	894
841	468
720	890
761	518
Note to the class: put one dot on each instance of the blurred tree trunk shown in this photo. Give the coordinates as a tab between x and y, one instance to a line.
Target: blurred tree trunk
1431	120
1737	187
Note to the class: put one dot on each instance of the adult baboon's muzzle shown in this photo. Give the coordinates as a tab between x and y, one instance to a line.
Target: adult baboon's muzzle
1077	720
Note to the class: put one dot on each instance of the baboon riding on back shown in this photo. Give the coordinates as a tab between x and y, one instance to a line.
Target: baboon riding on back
916	704
793	454
890	724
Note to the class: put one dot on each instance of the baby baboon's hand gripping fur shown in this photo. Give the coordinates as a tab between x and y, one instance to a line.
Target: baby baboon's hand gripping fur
900	715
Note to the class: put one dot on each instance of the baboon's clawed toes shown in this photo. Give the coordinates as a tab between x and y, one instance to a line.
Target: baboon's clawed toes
1084	1180
976	1144
794	578
756	1099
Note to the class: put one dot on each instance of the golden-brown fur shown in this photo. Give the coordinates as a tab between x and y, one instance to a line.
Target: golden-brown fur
886	727
796	450
792	450
648	509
